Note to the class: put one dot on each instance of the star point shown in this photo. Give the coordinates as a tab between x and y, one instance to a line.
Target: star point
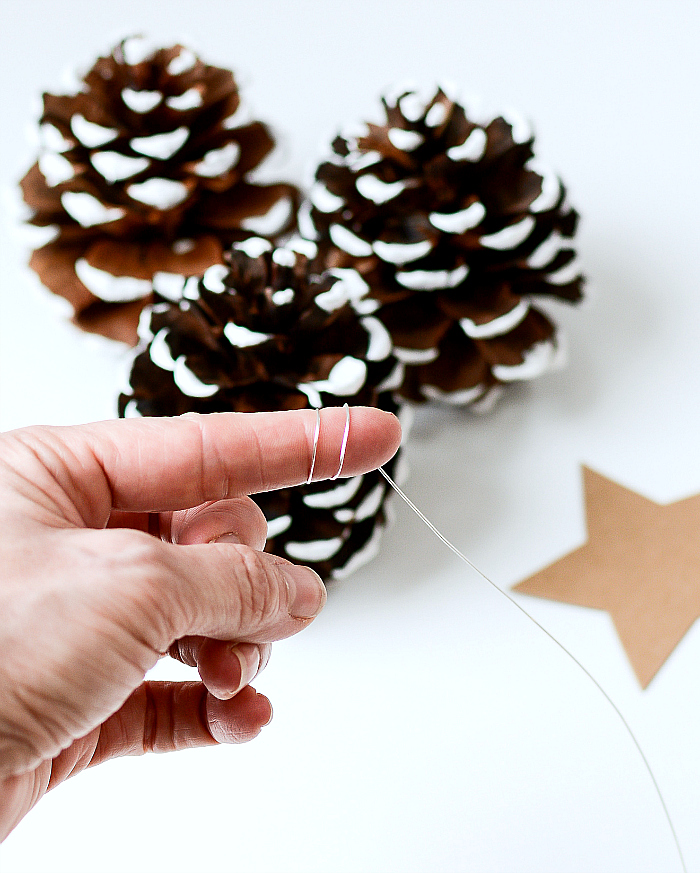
640	563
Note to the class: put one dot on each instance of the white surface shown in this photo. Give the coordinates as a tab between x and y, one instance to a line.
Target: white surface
422	724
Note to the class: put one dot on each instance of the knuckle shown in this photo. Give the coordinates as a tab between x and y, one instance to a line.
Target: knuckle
18	754
145	565
260	588
131	553
145	552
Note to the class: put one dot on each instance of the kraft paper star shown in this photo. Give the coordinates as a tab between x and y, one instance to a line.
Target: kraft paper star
641	564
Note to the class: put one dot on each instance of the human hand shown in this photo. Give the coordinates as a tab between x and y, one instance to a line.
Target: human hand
90	599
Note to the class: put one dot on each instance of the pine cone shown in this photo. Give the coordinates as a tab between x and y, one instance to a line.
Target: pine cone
262	334
145	172
457	232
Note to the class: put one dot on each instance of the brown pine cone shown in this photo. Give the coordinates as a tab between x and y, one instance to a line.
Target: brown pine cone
457	233
146	172
261	334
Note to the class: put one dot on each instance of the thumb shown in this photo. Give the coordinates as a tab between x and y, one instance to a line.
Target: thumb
222	590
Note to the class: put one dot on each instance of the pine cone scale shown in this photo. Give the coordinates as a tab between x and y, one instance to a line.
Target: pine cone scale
54	263
251	201
143	261
510	350
43	200
117	321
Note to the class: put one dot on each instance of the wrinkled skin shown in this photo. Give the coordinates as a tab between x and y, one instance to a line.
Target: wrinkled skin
91	597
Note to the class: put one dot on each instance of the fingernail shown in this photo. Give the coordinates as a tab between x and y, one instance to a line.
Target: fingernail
271	712
307	593
265	653
227	538
248	656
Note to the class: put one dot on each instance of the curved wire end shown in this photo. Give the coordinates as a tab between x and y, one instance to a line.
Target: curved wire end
591	677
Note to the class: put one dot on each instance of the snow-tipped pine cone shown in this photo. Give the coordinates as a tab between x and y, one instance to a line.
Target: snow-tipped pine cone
262	334
145	171
457	231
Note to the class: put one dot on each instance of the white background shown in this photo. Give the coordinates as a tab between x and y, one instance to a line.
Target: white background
422	724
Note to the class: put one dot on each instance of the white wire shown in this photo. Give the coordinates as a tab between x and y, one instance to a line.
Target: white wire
317	431
344	443
544	630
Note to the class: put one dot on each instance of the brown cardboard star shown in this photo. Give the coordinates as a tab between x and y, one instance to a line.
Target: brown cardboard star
641	564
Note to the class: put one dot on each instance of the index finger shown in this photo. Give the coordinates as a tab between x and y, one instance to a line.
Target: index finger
160	464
